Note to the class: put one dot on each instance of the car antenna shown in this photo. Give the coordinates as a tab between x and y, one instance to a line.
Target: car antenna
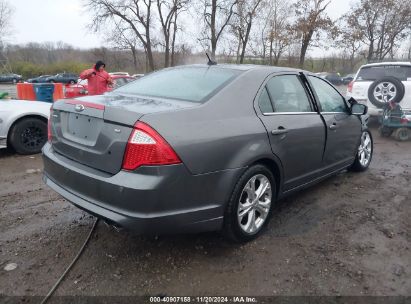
210	62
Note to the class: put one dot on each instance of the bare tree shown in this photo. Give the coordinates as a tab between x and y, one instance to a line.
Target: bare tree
137	14
409	49
217	15
280	34
384	24
242	23
168	11
121	37
348	39
6	12
311	20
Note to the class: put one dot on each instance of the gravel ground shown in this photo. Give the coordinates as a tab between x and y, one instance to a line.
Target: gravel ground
350	235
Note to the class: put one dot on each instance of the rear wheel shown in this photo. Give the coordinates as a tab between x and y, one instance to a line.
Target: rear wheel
385	131
364	153
28	136
402	134
72	82
250	205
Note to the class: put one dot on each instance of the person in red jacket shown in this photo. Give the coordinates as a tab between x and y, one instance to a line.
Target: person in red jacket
98	79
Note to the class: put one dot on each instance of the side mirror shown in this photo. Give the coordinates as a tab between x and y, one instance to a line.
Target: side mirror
352	101
359	109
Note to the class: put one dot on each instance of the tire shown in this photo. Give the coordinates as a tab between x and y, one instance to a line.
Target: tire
15	81
402	134
28	136
235	225
364	154
384	90
385	131
51	81
72	82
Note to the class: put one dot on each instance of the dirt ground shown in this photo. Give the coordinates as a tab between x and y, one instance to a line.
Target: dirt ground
350	235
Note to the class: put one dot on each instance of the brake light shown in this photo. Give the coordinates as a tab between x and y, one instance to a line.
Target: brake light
49	132
350	86
146	147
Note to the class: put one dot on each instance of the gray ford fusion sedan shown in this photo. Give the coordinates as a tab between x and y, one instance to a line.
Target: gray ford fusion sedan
202	148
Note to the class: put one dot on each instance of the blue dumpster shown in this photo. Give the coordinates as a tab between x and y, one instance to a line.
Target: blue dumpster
44	91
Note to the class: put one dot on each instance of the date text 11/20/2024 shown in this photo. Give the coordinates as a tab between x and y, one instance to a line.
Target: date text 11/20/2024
205	299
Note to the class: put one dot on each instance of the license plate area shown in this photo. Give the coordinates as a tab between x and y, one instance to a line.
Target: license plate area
81	129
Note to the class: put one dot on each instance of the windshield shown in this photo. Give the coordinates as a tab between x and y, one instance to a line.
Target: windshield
373	73
194	84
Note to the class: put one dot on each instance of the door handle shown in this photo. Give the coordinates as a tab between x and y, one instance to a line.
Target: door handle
279	131
333	126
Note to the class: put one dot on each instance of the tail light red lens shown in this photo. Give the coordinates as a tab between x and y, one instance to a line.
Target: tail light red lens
350	86
146	147
49	132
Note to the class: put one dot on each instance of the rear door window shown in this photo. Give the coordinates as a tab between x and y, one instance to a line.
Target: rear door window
372	73
288	94
194	84
265	103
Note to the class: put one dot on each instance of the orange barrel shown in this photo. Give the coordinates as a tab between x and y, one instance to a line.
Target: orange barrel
58	91
25	91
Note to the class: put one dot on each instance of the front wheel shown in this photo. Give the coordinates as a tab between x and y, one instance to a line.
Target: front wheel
385	131
364	153
250	205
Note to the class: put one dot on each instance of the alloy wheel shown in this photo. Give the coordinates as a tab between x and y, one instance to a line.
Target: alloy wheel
33	137
365	149
255	203
385	92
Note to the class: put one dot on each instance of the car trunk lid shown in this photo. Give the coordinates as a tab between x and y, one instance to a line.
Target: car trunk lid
95	130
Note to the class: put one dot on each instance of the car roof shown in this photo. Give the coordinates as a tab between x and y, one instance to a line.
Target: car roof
388	63
246	67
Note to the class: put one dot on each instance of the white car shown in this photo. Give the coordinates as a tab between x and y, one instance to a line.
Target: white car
377	84
23	125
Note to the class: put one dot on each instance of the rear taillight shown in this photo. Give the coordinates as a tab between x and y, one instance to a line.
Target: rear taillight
49	132
146	147
350	85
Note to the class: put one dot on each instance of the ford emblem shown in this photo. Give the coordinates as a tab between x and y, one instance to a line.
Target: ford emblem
79	108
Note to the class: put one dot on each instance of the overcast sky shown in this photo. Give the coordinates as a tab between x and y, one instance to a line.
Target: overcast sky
65	20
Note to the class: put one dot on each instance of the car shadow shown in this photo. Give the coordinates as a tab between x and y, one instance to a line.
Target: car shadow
295	215
7	152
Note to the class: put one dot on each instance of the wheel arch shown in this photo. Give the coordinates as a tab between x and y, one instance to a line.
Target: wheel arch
276	169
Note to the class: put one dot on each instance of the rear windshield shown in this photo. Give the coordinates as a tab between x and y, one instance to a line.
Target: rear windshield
194	84
377	72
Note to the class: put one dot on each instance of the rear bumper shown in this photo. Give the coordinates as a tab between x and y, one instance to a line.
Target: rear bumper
151	200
